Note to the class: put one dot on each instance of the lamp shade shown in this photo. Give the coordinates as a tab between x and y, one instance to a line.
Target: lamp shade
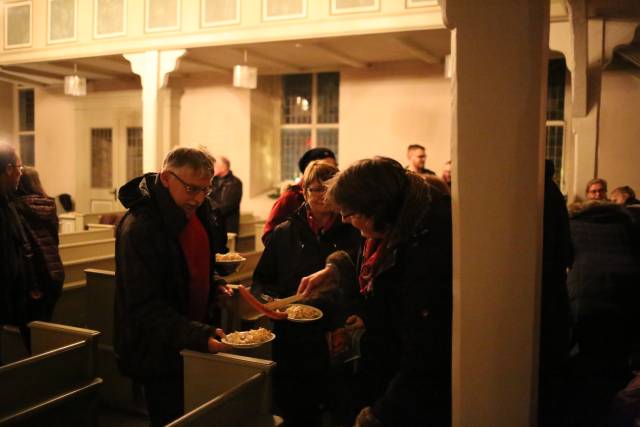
245	76
75	85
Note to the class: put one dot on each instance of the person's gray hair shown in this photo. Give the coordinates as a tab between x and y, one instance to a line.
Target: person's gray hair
197	159
8	156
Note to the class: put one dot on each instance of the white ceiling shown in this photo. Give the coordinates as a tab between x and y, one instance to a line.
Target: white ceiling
430	46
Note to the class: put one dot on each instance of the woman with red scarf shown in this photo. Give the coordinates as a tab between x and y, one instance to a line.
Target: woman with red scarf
403	274
298	247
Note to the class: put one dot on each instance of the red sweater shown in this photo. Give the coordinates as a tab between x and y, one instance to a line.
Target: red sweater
195	246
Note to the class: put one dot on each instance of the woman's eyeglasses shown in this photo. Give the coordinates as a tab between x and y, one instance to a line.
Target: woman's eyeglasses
346	215
192	190
317	190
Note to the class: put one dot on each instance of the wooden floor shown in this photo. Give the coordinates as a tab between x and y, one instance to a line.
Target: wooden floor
111	418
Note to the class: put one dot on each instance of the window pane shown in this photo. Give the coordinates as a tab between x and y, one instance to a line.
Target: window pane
26	110
294	143
555	90
27	149
296	99
101	158
328	138
553	149
328	97
134	152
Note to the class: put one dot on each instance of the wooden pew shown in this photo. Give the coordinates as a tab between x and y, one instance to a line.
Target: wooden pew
86	235
71	308
118	391
88	249
245	274
57	385
226	390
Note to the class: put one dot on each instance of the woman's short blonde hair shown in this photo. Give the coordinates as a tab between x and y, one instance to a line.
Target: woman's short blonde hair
318	170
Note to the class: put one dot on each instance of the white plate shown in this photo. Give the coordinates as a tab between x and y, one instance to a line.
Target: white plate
272	336
318	315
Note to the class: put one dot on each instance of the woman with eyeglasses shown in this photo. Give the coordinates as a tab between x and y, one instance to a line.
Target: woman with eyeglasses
403	273
296	248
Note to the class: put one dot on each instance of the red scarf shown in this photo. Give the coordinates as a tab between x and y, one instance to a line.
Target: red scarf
317	228
195	246
371	254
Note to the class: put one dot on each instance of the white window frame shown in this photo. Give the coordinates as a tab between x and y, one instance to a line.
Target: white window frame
314	125
16	121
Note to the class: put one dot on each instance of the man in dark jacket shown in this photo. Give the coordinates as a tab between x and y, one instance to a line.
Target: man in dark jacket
15	268
226	194
165	253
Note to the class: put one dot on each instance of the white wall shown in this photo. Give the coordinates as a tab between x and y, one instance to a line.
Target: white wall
55	153
6	113
619	139
216	115
388	107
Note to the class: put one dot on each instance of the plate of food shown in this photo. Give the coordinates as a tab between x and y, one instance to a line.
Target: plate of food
231	262
302	313
249	339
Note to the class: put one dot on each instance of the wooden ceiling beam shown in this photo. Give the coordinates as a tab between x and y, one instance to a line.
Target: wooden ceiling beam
207	65
419	52
339	56
269	61
86	68
32	71
11	78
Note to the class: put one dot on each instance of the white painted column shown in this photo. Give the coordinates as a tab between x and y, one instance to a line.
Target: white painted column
499	103
153	67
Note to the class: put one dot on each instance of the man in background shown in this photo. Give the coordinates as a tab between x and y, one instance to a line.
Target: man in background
446	173
226	194
596	189
417	158
16	273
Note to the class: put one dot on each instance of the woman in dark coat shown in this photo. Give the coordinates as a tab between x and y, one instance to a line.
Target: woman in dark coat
40	221
404	276
296	248
604	290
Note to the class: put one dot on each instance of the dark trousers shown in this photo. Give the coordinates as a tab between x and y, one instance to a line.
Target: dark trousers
165	399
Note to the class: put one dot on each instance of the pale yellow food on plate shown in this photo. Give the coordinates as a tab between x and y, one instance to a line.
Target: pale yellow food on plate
303	312
251	337
231	256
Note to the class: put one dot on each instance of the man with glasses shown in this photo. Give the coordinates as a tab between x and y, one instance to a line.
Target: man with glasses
16	273
165	255
597	189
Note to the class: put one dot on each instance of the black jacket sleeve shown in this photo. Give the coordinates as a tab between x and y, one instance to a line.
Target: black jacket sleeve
228	201
144	286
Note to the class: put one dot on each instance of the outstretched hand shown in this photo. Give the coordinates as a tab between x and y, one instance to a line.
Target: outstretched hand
318	282
216	346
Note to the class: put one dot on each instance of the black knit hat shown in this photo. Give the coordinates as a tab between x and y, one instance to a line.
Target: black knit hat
314	154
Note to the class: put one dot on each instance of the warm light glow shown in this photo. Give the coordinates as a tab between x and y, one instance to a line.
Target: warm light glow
75	85
245	76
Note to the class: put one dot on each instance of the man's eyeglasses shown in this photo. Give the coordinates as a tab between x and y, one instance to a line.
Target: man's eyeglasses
19	167
192	190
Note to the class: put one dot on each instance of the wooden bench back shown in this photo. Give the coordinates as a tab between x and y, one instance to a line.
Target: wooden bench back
86	236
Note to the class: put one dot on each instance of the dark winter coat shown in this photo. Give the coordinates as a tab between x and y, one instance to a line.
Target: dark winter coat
41	225
292	252
16	274
604	283
406	349
225	197
152	281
